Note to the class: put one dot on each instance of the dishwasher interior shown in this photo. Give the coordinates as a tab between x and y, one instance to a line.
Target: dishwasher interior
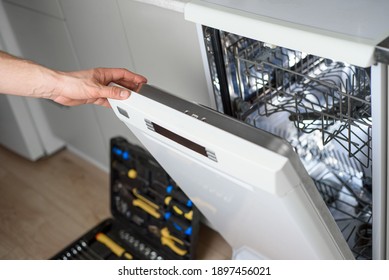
321	107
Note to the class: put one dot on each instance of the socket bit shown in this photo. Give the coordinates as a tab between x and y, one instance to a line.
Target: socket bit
153	255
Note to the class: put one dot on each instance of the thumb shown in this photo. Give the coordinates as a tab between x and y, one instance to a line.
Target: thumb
115	92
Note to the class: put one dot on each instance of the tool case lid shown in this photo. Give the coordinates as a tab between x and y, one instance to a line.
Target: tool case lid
249	184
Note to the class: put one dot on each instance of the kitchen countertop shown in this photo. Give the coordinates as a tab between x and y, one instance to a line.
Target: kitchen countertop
174	5
364	20
355	28
347	31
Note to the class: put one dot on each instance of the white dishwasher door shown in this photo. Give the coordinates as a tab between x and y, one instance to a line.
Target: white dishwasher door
249	184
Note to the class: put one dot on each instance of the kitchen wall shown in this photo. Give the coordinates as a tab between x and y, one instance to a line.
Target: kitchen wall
72	34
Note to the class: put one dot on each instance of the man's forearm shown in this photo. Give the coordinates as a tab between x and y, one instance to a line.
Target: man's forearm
23	77
90	86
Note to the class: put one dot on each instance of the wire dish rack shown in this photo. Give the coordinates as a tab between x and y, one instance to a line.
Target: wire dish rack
344	187
323	109
319	94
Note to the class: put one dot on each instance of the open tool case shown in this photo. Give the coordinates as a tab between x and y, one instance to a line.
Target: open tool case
152	217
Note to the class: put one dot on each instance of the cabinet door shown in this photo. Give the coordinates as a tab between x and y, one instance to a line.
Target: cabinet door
97	33
23	126
17	131
99	40
42	38
79	128
49	7
45	39
165	49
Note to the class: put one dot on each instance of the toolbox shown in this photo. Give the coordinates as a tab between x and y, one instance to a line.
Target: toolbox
152	218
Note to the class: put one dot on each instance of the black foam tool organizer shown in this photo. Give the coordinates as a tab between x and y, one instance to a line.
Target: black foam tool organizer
152	218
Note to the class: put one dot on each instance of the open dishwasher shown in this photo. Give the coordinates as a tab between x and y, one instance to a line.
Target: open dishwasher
295	164
315	74
322	108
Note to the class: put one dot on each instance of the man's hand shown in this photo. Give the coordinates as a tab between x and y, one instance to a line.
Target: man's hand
26	78
92	86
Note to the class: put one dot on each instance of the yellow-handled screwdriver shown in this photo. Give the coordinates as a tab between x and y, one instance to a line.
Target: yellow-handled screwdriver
146	207
113	246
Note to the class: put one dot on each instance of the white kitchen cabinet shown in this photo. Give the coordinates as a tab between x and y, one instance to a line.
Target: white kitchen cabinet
99	40
45	39
17	131
41	37
19	116
48	7
165	49
97	33
79	128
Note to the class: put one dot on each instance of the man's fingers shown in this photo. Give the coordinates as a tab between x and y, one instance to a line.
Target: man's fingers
114	92
121	76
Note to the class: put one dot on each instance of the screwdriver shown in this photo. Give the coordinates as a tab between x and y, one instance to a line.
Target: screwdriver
146	207
113	246
144	203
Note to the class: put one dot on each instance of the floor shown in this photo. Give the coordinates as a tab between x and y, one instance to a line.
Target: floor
45	205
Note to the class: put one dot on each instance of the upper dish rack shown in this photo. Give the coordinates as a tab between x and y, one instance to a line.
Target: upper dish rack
318	94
